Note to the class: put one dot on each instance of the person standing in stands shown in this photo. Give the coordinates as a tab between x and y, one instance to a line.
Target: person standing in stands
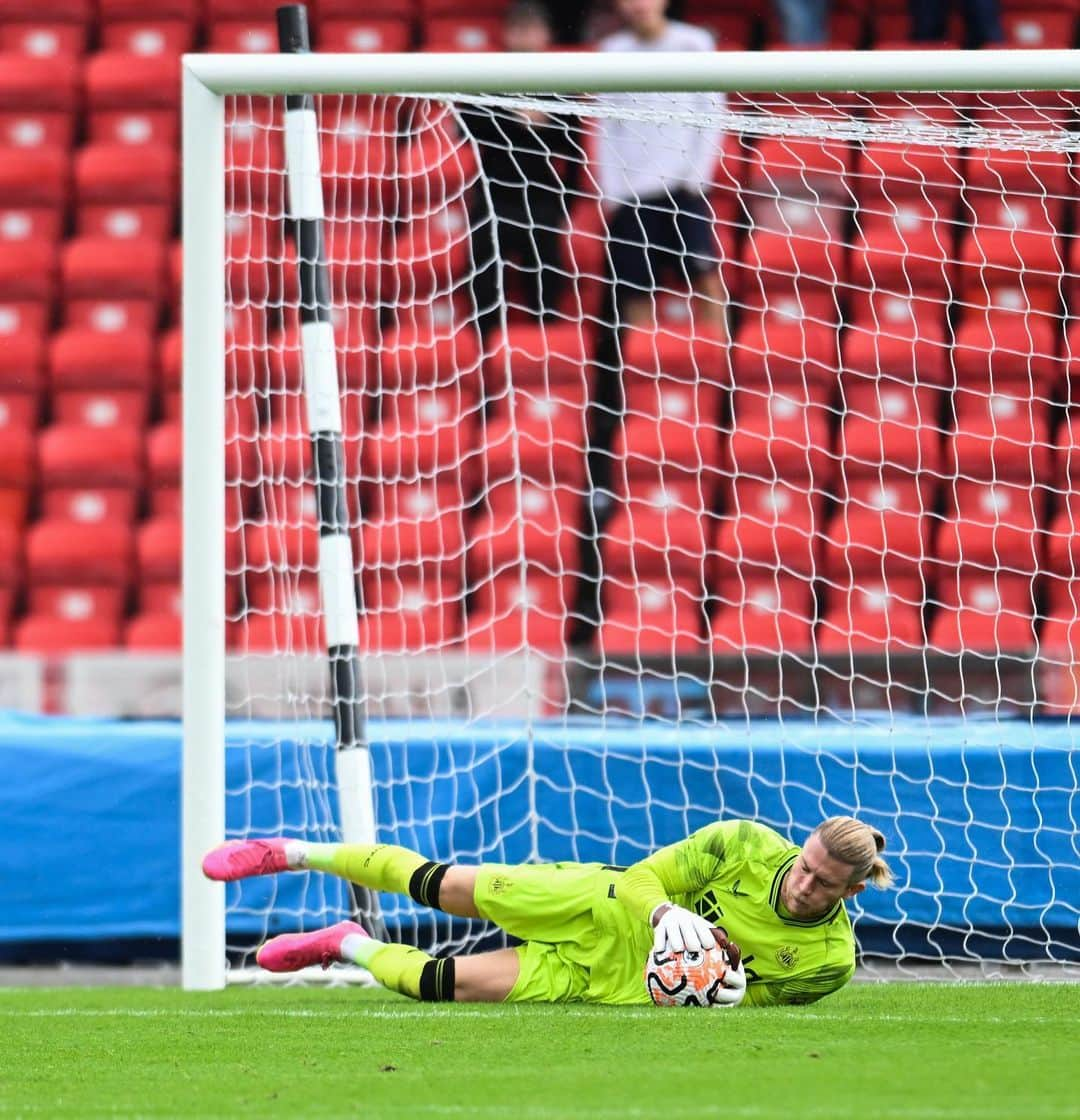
531	162
654	170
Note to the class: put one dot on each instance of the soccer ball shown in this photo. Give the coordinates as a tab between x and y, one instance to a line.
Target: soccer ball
690	978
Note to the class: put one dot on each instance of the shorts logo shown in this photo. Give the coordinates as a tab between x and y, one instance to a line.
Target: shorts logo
499	884
787	956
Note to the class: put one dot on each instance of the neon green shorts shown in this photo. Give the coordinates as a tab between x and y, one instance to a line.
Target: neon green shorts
549	906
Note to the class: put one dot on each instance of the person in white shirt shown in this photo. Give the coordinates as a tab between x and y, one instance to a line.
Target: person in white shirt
654	175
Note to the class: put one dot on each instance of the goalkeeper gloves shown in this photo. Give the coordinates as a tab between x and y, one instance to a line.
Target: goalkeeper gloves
678	928
733	988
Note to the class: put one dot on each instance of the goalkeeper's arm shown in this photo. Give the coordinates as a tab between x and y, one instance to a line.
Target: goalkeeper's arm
648	887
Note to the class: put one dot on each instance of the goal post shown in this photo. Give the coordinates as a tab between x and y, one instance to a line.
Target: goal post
574	552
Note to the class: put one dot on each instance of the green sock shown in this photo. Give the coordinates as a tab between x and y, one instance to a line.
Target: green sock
382	867
403	969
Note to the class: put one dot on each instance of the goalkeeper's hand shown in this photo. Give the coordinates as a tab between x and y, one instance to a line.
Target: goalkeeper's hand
733	987
677	928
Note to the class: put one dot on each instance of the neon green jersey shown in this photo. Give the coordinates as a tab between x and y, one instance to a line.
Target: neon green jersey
730	873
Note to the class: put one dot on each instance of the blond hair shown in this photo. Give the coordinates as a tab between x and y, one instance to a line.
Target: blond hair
858	844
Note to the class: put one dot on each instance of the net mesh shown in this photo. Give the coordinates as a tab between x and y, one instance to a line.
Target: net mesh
662	413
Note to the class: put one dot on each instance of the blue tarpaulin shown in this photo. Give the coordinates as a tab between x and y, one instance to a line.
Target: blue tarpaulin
982	817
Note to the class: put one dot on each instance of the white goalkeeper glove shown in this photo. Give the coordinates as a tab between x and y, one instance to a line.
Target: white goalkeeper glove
678	928
733	988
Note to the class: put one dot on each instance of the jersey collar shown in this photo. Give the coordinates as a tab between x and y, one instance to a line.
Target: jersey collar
774	899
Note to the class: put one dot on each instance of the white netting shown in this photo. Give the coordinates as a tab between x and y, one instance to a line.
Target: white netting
663	412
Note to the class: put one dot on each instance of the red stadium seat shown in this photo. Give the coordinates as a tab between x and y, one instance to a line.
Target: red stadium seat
802	240
124	81
524	523
134	127
862	543
1008	352
462	33
1000	438
39	83
30	129
676	452
243	36
783	350
22	360
696	356
346	35
1048	28
652	620
767	617
985	614
277	633
27	271
149	36
897	338
430	255
92	267
814	171
891	174
34	177
518	628
909	253
102	409
404	617
77	458
890	432
1029	176
80	553
543	441
157	546
115	11
422	435
652	537
549	357
991	527
149	633
770	527
418	530
112	174
436	165
82	358
871	619
525	590
778	436
424	357
43	39
17	470
1012	242
48	634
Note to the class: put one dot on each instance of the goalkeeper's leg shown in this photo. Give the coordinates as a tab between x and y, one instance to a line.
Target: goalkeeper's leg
480	978
379	867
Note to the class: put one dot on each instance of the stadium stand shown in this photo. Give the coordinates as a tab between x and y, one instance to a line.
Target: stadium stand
791	495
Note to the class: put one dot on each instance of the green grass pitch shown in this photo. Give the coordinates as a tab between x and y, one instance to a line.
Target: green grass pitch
872	1052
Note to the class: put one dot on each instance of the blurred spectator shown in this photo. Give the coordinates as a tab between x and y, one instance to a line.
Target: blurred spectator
804	23
654	175
982	19
531	163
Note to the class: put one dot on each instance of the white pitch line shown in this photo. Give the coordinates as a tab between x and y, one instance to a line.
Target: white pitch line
480	1011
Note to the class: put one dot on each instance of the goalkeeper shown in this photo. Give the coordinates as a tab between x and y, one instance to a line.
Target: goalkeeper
587	929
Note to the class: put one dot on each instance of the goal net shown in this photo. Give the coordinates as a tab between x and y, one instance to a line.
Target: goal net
703	455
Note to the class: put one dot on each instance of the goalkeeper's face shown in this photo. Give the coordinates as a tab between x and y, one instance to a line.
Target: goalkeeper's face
816	882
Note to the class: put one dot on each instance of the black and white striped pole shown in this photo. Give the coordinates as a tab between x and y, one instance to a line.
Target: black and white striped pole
337	581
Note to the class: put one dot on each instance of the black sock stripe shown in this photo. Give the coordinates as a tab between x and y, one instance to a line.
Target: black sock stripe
437	981
425	882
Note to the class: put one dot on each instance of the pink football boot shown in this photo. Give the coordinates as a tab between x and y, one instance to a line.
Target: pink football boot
290	952
241	859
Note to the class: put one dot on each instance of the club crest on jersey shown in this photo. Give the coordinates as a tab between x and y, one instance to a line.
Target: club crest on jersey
787	956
